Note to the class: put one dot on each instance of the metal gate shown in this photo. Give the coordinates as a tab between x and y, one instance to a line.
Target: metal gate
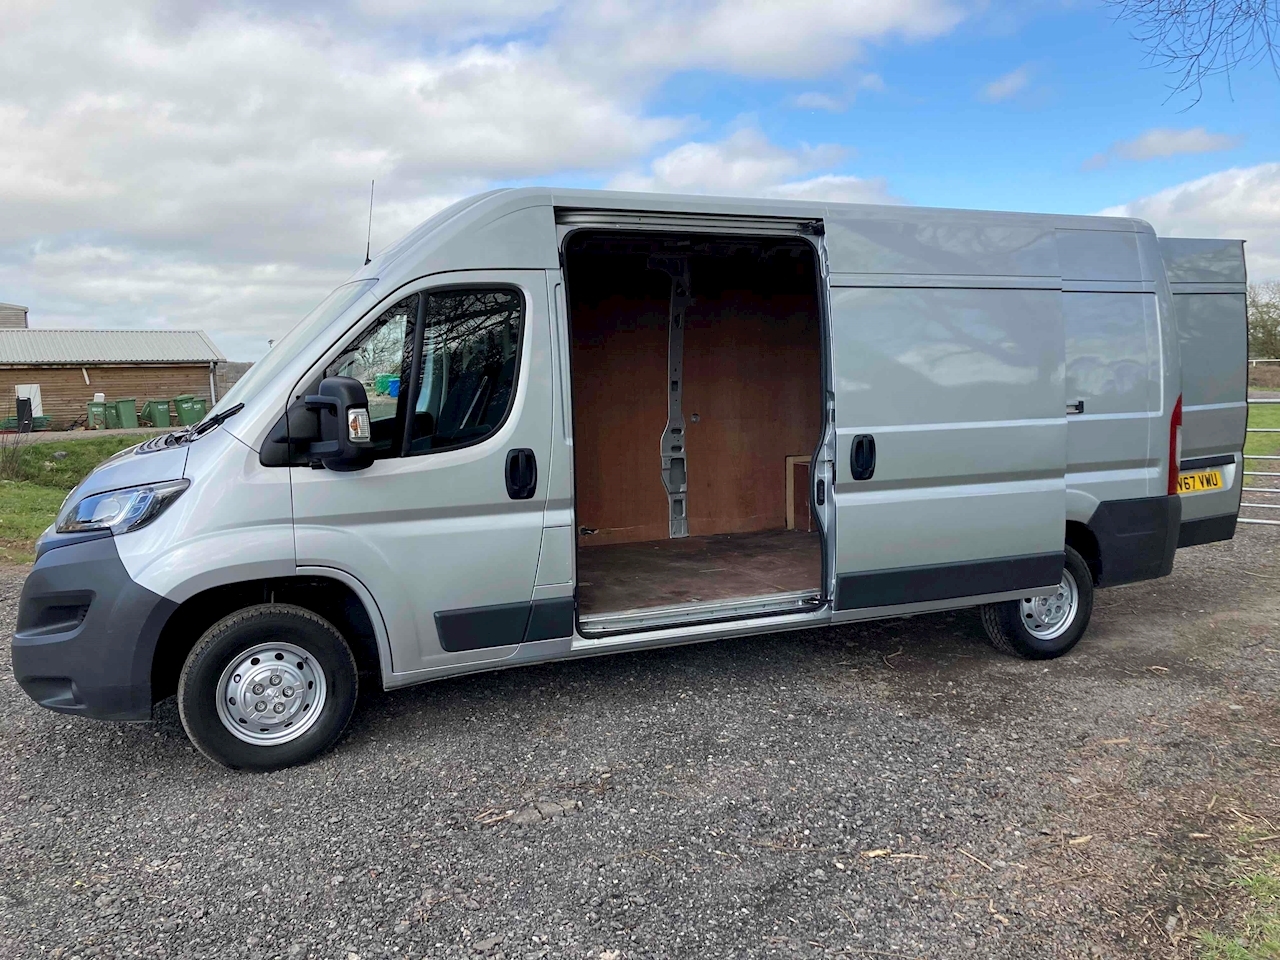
1265	494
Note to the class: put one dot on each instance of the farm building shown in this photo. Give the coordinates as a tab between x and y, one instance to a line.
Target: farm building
61	370
12	315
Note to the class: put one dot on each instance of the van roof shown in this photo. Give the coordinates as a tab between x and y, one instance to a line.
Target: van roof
506	228
620	200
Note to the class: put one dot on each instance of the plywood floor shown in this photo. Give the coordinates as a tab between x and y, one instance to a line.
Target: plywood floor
660	573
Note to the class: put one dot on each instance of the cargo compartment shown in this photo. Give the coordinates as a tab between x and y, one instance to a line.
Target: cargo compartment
697	406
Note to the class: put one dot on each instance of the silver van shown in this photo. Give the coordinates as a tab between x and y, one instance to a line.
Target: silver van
558	423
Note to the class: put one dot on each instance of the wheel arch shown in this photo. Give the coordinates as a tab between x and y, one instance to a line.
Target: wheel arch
1084	542
332	594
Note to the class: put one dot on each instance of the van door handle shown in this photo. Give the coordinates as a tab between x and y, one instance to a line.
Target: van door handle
522	474
1077	407
862	457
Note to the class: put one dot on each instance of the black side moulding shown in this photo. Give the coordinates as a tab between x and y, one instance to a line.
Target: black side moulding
504	624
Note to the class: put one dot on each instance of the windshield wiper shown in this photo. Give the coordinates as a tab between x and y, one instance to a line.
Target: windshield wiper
217	419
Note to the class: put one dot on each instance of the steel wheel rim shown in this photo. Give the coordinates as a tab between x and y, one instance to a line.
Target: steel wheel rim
271	694
1047	618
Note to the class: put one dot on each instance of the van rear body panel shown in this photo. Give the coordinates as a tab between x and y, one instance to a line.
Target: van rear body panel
1209	285
1122	384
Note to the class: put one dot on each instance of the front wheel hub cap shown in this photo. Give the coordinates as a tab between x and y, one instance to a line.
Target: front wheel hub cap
271	693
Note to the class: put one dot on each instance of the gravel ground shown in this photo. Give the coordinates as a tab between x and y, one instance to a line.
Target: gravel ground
894	789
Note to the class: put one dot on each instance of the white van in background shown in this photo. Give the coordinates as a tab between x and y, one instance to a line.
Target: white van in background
550	424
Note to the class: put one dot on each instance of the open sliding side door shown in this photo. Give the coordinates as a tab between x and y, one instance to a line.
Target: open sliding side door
950	441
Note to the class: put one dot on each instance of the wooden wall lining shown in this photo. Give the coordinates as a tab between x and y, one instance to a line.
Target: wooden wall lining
619	364
753	375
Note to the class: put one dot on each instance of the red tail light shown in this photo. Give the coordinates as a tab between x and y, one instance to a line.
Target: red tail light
1175	445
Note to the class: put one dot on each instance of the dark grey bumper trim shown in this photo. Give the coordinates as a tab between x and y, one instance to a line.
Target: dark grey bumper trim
1136	538
1192	533
1199	463
53	541
87	633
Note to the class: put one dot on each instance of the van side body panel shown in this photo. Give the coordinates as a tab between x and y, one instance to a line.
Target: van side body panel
947	348
894	241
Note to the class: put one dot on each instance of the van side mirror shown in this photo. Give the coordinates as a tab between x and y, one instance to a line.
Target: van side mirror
346	440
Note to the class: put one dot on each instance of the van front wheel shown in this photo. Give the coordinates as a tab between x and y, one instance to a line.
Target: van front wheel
267	687
1041	628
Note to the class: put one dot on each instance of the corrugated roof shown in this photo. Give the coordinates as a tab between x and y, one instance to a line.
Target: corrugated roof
106	346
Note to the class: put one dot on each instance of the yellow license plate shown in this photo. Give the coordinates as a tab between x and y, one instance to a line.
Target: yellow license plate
1199	481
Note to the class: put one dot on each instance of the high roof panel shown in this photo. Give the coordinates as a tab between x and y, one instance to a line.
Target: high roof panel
106	346
1203	261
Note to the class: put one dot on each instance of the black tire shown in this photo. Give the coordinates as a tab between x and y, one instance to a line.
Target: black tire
1008	632
232	637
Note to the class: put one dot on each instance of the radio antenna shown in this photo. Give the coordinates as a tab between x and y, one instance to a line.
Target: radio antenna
369	235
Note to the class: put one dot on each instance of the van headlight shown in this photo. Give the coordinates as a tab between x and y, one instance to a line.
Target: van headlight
120	510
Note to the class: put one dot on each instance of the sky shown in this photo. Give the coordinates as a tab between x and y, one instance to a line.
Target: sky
189	165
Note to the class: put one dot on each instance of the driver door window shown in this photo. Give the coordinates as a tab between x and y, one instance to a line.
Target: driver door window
466	372
470	352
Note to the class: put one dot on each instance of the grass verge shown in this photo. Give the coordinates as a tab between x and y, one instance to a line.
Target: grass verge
1257	934
34	481
1266	415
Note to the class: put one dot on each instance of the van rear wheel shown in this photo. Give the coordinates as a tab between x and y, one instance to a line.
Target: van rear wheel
1041	628
267	687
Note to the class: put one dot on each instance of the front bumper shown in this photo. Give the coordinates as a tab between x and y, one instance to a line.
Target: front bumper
87	632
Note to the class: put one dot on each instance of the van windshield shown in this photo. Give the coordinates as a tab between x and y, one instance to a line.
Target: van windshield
291	344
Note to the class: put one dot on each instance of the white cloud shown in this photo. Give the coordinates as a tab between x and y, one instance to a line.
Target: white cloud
301	122
1168	143
1162	142
748	164
244	304
813	100
208	164
835	188
817	100
1242	203
238	141
1007	86
471	16
794	38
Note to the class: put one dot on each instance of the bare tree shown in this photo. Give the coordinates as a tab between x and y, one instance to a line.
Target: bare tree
1264	320
1198	39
